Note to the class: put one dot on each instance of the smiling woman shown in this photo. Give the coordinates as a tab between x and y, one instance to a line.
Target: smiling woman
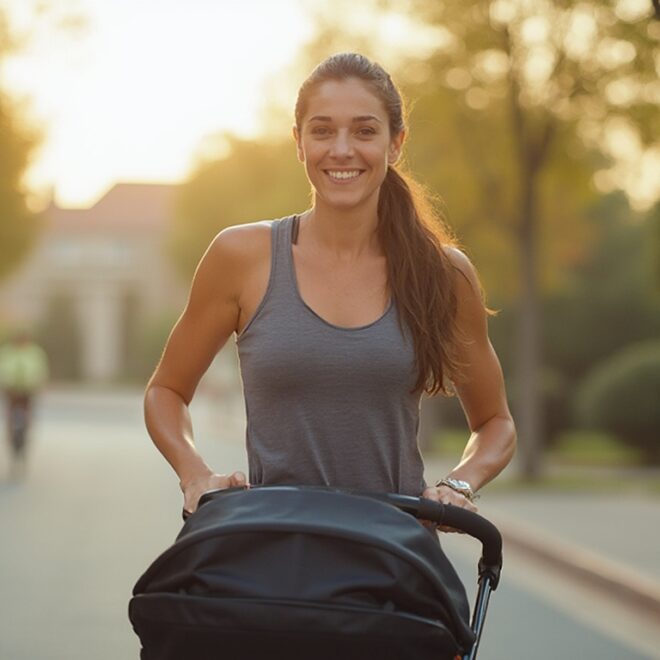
343	314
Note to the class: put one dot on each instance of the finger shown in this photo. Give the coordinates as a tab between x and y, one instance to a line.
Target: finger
449	530
238	479
431	493
458	500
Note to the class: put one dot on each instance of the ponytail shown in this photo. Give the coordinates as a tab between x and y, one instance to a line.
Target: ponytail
421	278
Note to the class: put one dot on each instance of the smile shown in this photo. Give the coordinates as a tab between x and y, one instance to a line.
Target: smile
341	176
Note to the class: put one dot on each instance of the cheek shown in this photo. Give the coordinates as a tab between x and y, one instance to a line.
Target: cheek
376	153
307	150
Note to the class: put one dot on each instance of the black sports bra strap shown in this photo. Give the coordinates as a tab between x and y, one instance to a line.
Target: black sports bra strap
294	229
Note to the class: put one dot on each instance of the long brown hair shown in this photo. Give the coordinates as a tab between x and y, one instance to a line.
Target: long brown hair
413	235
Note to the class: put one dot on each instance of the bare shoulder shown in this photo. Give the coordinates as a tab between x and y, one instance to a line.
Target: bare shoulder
462	264
227	262
471	313
234	251
242	241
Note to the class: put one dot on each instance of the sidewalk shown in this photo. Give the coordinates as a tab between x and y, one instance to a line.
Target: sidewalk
609	541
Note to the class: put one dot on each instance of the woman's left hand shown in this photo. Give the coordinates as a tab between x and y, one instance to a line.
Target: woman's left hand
447	495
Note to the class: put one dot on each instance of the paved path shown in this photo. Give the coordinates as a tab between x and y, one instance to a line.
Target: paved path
623	528
99	504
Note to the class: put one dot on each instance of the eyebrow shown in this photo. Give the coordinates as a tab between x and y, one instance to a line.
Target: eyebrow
355	119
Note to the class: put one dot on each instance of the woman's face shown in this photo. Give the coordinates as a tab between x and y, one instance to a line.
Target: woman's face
345	143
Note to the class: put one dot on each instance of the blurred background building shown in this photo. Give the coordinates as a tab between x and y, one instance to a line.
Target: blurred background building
95	279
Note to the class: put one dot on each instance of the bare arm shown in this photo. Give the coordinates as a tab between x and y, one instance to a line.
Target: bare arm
210	316
481	392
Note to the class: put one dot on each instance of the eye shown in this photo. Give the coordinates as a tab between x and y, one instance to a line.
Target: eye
367	131
320	130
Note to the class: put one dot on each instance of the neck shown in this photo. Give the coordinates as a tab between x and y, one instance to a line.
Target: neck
345	234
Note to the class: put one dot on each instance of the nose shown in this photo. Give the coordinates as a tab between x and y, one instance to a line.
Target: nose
342	146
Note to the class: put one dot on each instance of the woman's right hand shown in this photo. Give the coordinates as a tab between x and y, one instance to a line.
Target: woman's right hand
196	487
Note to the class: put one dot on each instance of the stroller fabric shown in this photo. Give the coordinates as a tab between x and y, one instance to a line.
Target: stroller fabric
301	572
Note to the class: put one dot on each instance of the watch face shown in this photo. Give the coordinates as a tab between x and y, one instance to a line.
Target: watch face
464	485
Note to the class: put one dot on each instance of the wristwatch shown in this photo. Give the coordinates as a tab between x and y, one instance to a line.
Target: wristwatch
462	487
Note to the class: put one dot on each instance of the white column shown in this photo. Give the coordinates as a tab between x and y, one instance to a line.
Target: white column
100	318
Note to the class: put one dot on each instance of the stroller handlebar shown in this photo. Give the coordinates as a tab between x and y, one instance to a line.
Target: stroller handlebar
425	509
453	516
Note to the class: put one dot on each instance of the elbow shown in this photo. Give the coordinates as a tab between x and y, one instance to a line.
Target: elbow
157	394
510	440
149	390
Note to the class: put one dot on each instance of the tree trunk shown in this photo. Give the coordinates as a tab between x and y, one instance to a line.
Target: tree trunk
528	404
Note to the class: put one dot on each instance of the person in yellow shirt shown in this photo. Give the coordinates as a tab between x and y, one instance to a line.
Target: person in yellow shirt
23	372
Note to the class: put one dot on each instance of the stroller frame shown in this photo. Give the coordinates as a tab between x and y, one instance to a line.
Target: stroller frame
490	564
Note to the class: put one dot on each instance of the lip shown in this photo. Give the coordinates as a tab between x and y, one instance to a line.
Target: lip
344	182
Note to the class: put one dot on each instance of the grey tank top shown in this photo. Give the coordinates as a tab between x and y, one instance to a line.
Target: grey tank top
326	405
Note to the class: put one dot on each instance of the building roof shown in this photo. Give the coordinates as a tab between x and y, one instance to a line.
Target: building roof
126	207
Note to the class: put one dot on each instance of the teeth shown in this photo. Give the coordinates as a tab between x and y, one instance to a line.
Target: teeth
344	175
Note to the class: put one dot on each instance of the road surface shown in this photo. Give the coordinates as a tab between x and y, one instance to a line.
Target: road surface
99	504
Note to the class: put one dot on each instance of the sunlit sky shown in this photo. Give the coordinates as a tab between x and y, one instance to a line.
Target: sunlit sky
134	94
139	92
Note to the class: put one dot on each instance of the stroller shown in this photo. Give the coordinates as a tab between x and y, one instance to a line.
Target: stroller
313	573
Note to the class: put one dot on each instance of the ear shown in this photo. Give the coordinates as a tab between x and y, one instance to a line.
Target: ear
396	144
299	149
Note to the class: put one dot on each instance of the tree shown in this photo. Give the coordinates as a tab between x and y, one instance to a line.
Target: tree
535	72
19	226
610	300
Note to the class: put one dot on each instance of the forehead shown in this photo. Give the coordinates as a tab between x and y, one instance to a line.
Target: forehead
344	99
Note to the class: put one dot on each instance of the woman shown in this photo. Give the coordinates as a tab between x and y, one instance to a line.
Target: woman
343	315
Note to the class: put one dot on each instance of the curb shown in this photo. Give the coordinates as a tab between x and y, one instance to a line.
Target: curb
592	569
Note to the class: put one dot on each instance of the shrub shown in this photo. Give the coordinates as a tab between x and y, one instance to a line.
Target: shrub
622	396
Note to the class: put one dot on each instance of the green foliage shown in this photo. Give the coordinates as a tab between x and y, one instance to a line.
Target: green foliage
621	396
612	300
474	146
593	448
468	161
18	226
255	181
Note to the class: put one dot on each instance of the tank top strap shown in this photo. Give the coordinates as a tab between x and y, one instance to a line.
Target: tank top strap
281	261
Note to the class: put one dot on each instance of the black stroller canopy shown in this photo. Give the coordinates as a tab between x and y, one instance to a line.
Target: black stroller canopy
316	572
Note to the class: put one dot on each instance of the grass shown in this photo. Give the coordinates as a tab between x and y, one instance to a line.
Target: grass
580	462
590	448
